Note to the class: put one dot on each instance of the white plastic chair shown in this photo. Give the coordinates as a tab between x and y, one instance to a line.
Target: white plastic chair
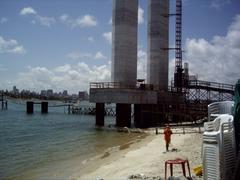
217	108
218	150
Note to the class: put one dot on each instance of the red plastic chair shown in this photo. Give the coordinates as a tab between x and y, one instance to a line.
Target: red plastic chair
177	161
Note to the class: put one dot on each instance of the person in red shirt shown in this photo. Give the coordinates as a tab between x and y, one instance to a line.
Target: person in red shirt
167	136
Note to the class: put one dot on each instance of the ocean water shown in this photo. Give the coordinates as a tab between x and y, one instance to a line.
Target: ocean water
31	142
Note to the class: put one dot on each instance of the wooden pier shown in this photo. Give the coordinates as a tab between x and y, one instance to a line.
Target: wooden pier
91	110
71	108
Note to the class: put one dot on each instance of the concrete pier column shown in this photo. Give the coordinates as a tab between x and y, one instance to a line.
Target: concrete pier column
44	107
100	112
123	115
30	107
137	115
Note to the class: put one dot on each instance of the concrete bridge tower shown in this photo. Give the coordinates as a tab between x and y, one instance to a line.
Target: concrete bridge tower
124	42
157	51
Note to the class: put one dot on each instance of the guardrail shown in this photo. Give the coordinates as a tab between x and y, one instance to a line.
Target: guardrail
211	85
118	85
143	86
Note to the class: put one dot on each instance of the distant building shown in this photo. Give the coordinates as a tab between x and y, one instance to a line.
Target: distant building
15	90
49	92
25	92
83	95
43	93
65	93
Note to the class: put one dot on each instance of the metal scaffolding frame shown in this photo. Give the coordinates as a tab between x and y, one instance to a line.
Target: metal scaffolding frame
178	74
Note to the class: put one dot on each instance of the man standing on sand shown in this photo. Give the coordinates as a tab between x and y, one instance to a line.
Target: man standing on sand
167	136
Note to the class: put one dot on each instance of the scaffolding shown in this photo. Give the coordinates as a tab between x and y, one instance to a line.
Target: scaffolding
178	73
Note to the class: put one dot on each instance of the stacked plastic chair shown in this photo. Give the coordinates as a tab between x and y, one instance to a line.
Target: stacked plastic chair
219	154
217	108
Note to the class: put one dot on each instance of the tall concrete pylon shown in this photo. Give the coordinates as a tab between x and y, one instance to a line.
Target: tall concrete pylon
124	42
157	53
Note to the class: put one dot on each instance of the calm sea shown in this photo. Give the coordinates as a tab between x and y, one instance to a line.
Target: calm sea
31	142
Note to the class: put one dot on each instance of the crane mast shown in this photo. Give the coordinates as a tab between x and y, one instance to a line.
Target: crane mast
178	74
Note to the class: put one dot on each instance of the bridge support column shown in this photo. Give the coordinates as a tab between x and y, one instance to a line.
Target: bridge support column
100	112
137	115
44	107
123	115
30	107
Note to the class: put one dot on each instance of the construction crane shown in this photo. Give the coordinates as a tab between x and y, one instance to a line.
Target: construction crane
178	72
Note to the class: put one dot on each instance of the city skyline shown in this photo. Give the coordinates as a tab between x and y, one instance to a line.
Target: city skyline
67	44
15	90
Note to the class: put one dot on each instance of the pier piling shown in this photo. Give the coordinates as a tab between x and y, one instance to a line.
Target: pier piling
123	115
44	107
30	108
69	109
100	112
137	115
2	101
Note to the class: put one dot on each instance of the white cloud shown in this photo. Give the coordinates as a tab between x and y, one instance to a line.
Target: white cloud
140	15
84	21
17	50
73	78
43	20
27	10
33	22
108	36
63	69
79	55
216	60
64	17
90	39
85	56
11	46
2	68
110	21
3	20
142	64
99	55
218	4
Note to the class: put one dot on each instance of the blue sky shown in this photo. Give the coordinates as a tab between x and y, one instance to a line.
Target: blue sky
65	44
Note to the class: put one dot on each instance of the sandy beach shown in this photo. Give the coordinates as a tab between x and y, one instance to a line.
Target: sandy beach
145	159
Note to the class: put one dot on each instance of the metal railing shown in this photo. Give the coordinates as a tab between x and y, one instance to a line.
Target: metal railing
118	85
211	85
143	86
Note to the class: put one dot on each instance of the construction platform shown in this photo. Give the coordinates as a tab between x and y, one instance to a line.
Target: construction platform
153	108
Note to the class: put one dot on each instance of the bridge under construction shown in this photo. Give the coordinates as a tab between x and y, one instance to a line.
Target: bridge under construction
153	102
172	106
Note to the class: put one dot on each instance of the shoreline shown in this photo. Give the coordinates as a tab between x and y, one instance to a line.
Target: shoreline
109	157
142	157
65	169
146	158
